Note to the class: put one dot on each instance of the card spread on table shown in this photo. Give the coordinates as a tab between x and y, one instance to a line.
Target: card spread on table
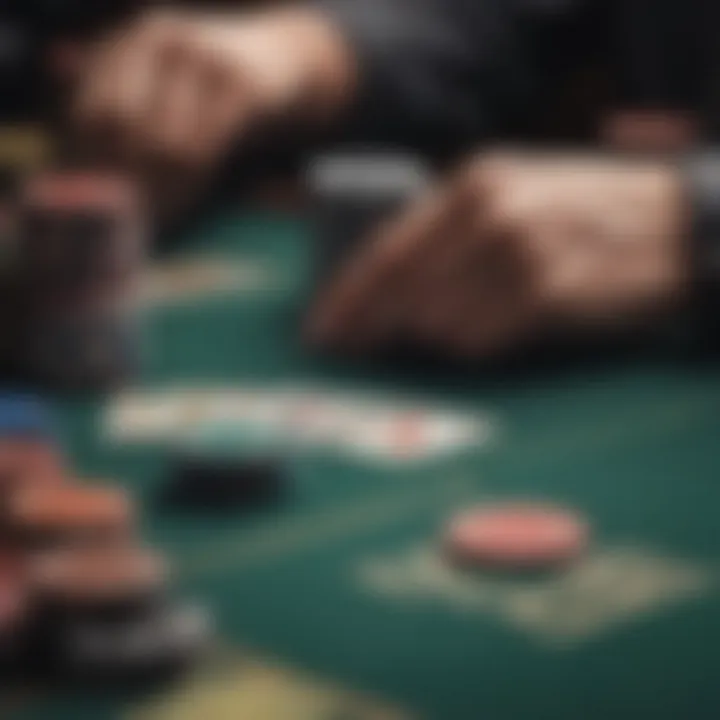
356	424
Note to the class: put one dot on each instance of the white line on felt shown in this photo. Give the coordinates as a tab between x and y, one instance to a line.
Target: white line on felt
317	529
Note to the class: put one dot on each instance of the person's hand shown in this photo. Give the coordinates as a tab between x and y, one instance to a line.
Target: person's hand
178	88
647	131
512	247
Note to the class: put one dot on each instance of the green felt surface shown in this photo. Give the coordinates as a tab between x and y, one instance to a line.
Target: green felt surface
342	579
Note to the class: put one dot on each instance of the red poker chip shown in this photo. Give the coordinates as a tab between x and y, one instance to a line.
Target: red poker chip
74	503
13	591
73	190
13	604
29	461
527	536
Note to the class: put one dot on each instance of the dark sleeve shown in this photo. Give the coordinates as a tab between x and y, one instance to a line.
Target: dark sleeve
462	69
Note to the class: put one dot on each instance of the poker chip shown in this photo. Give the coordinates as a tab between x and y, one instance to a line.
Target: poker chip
97	585
224	482
24	145
147	649
79	262
58	515
82	352
28	462
23	149
11	606
14	604
100	582
517	535
63	189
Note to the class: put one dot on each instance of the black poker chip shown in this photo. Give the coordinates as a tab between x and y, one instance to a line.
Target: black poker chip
107	587
145	649
80	255
81	352
68	249
223	482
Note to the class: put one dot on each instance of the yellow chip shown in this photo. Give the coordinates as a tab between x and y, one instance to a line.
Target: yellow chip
24	147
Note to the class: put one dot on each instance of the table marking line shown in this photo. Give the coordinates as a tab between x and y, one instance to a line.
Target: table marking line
604	437
332	524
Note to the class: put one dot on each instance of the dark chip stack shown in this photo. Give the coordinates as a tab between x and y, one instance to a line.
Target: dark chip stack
211	482
79	259
104	615
78	587
96	605
24	148
13	615
81	599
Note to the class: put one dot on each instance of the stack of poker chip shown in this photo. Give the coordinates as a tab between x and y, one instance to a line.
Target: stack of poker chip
81	597
24	149
78	261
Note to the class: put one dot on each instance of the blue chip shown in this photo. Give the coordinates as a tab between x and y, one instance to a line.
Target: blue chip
24	415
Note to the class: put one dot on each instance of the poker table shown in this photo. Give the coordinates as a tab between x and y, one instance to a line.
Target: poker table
336	601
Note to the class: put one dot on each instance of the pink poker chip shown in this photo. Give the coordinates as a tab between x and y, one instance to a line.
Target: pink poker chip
528	536
12	605
13	592
74	189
